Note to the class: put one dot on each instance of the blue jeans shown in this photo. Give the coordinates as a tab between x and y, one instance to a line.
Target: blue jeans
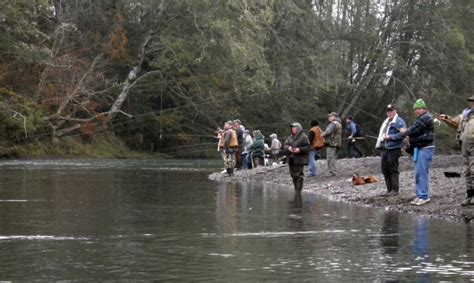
312	162
422	174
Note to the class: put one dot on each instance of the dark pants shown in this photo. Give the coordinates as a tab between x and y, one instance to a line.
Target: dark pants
352	150
297	174
238	158
390	169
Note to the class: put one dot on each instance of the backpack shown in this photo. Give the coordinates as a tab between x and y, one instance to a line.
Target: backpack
358	132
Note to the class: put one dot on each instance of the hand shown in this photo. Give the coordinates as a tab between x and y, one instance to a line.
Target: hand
290	149
386	137
349	137
402	131
297	150
443	117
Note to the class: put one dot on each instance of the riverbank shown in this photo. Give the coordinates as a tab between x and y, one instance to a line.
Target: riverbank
446	193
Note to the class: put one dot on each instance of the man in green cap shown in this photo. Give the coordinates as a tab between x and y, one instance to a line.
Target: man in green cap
464	124
421	136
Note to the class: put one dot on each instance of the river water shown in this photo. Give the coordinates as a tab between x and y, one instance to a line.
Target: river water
164	220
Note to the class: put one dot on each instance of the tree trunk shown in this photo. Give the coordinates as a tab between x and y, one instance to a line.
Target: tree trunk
132	75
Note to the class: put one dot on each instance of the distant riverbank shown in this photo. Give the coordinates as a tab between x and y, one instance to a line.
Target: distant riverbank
446	193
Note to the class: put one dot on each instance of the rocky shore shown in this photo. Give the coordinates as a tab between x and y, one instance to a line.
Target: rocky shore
446	193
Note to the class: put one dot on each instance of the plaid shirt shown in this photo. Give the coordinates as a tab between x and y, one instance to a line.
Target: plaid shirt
421	133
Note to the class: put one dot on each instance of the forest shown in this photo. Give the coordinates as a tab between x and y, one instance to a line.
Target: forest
111	78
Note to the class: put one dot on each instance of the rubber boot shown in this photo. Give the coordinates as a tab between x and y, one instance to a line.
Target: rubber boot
470	198
395	185
230	171
388	183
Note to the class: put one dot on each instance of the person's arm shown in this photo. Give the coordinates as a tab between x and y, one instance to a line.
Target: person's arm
329	130
311	136
400	123
305	146
452	122
353	129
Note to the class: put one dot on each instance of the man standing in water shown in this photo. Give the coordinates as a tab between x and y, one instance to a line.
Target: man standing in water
464	123
296	148
389	143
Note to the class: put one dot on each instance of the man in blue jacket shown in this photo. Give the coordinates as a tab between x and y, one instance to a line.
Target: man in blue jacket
390	142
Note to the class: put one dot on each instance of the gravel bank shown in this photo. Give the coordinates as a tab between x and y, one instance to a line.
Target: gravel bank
446	193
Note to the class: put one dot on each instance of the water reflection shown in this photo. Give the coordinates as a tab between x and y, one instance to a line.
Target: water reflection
390	233
420	247
127	222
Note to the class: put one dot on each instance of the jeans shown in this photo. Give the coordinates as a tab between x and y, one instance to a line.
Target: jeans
245	162
422	174
312	162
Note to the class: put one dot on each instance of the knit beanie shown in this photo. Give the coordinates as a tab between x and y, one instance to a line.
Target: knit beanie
419	104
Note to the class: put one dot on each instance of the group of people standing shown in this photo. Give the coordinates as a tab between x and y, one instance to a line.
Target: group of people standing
242	149
390	141
302	149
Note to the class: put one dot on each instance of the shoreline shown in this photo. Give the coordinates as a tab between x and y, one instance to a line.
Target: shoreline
446	194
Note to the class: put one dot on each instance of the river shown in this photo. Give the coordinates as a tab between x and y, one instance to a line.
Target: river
164	220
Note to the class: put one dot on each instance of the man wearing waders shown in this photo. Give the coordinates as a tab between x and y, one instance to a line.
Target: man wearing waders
389	143
230	144
464	123
296	149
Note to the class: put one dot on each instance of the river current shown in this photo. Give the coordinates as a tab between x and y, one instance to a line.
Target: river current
165	220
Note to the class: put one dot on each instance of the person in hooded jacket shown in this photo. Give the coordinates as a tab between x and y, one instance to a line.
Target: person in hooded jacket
296	148
257	149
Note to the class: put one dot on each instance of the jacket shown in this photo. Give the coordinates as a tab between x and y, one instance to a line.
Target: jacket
230	139
421	133
464	124
257	147
333	134
396	138
315	137
300	140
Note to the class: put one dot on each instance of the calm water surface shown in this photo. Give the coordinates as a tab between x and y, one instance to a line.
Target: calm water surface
164	220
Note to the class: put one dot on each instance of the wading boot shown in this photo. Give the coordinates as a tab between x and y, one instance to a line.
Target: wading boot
388	183
468	201
394	186
470	198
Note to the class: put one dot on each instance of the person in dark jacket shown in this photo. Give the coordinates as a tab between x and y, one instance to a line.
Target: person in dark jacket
421	135
257	153
351	130
296	148
389	143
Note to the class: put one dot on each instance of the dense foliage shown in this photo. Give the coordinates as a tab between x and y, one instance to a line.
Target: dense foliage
161	76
